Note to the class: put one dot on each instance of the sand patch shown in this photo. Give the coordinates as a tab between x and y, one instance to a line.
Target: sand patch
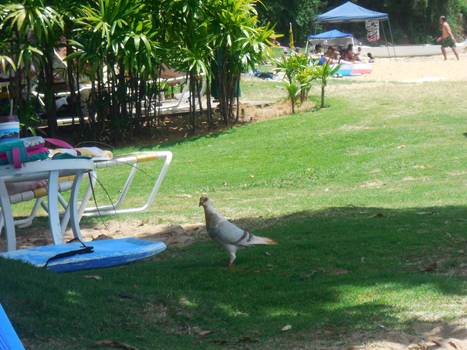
417	69
171	235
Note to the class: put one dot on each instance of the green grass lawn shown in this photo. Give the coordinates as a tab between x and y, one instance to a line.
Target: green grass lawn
361	196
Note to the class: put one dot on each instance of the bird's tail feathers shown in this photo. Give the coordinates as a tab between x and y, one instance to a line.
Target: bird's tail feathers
264	240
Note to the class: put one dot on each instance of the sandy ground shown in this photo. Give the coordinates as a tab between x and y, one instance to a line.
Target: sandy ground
412	70
418	69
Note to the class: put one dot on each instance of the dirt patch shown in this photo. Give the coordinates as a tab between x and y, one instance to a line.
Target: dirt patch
171	235
256	112
426	336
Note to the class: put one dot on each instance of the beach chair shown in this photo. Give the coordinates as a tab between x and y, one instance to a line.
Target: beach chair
182	99
132	161
8	338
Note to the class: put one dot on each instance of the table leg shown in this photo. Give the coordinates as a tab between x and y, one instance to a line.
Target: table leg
73	204
8	217
52	204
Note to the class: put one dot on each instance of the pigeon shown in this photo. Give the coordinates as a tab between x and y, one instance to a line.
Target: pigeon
230	236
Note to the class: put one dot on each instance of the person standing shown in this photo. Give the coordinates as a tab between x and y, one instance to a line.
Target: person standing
446	39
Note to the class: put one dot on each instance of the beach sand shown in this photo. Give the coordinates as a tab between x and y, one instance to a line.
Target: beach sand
418	69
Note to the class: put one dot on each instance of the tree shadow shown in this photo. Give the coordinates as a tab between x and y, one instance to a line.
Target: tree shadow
333	272
340	276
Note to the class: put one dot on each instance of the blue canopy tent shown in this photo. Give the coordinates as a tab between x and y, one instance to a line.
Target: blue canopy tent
350	12
332	38
331	34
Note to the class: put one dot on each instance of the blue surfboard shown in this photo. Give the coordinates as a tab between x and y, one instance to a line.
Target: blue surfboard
105	253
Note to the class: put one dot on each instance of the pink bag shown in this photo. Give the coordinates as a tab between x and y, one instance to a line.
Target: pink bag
27	149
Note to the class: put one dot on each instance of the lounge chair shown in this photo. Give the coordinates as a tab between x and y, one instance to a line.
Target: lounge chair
132	160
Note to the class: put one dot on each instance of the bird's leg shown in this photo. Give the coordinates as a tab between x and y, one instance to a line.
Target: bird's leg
232	260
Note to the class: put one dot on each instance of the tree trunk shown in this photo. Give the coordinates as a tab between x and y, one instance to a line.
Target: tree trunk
192	101
322	96
208	101
49	94
237	92
198	94
72	83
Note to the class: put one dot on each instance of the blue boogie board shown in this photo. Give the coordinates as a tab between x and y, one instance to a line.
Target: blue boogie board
106	253
8	338
344	70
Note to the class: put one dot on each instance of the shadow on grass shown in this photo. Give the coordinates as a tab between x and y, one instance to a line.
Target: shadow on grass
203	134
339	276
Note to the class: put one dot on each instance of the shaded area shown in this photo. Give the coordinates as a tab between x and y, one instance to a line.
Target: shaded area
340	276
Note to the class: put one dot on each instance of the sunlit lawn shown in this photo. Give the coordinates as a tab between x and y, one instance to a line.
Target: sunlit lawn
361	196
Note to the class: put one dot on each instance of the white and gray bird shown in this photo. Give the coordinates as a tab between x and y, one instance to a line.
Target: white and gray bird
230	236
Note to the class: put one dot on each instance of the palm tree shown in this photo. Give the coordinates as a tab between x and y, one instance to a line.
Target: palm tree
35	29
188	50
6	62
323	72
70	11
114	35
240	42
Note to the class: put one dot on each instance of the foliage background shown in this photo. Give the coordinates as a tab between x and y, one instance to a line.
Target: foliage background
412	21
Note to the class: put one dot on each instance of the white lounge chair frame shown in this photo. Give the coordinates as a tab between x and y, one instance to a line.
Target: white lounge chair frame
183	98
133	160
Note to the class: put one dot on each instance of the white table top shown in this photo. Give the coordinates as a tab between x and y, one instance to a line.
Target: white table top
49	169
40	169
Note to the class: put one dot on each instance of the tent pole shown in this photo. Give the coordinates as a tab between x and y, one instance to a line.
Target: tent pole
392	39
385	37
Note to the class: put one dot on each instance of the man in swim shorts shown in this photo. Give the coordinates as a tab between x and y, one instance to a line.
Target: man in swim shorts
446	39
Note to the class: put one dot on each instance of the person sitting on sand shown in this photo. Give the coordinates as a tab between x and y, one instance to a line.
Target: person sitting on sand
357	55
328	57
332	54
446	39
318	49
349	56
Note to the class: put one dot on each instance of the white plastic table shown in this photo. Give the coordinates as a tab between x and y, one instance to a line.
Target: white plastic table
49	169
